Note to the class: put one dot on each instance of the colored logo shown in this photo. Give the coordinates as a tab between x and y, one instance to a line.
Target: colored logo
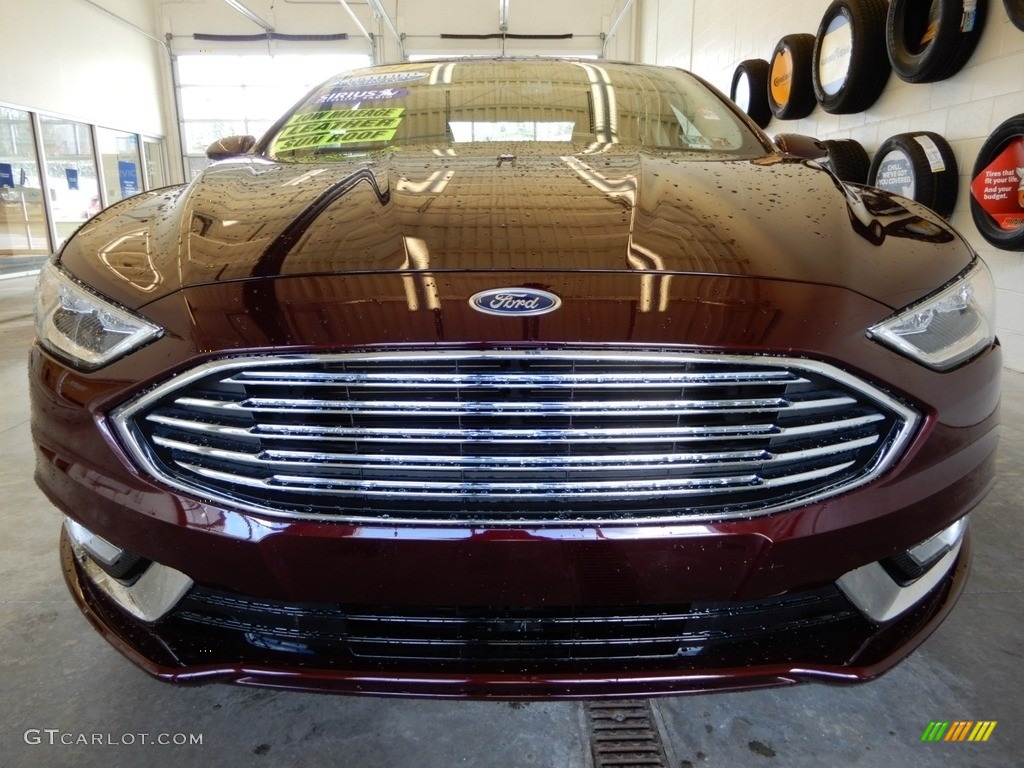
521	302
958	730
782	76
362	94
835	55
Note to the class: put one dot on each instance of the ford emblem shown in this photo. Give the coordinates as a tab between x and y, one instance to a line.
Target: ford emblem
521	302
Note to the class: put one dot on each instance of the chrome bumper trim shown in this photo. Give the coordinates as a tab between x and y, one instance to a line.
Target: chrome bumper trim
875	594
151	597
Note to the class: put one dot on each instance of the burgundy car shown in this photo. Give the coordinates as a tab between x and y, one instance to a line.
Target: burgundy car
515	378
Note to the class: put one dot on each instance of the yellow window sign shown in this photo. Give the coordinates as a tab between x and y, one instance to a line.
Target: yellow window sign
340	126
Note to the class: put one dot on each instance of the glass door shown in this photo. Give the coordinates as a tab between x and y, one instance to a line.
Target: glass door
122	168
156	168
70	174
23	230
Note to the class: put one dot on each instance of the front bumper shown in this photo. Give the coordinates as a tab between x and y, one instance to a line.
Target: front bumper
506	653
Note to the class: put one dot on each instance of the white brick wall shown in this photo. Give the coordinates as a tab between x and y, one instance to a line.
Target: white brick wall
710	37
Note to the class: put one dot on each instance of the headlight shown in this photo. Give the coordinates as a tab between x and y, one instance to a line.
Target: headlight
81	326
950	326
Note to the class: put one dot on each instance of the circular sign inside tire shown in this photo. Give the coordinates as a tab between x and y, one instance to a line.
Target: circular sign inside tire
920	166
849	75
997	187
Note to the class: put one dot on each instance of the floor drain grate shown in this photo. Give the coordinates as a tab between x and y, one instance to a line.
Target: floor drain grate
623	734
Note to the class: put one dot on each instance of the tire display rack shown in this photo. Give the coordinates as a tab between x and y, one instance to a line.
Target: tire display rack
1015	10
790	84
920	166
997	187
932	41
750	90
847	72
840	69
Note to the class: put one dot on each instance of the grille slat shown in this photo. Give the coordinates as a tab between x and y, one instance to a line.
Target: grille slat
503	381
402	409
420	489
510	436
733	462
565	436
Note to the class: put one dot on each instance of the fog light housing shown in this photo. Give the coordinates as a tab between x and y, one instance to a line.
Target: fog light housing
120	563
98	548
152	593
907	567
886	589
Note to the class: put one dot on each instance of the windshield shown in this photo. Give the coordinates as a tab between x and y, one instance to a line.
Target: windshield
447	104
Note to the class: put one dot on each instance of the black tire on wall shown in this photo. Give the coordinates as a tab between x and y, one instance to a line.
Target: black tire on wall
930	40
848	73
848	160
1015	10
997	187
790	85
919	165
750	90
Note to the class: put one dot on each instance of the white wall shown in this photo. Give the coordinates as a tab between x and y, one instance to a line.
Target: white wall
710	37
68	58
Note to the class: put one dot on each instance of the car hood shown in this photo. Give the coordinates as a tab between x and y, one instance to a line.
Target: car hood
621	211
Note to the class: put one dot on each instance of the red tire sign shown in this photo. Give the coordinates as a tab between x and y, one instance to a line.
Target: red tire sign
999	188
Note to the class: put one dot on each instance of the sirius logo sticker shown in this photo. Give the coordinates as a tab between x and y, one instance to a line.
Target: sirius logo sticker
519	302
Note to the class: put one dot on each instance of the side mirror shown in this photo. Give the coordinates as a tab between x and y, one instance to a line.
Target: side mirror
230	146
806	147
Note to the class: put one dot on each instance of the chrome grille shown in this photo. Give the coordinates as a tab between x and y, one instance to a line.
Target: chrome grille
515	436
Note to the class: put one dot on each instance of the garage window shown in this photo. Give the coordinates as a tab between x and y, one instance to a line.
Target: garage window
224	95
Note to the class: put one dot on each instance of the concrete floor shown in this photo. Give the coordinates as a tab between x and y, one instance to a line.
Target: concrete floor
56	673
